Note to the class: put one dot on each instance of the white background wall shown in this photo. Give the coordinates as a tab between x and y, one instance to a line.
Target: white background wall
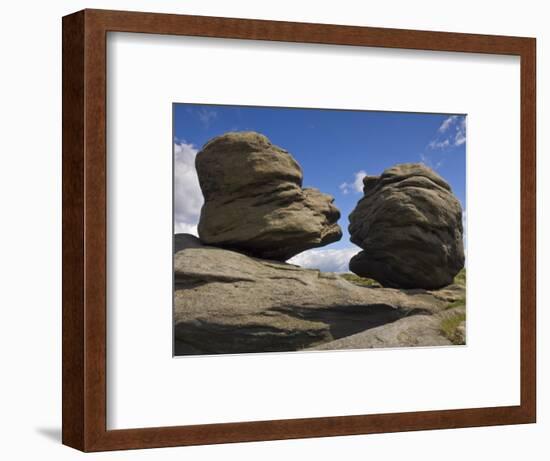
30	243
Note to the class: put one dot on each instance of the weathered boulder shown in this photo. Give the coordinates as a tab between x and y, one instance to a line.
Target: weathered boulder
227	302
409	224
254	201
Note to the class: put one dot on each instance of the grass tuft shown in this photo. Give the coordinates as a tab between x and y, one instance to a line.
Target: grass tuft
456	303
460	278
450	327
361	281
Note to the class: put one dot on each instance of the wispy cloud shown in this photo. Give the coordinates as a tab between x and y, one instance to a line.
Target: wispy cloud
329	260
439	144
188	197
433	163
450	134
206	116
447	123
356	185
460	133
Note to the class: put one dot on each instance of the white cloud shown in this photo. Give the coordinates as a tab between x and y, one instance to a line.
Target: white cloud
344	188
188	197
460	136
451	133
447	136
447	123
356	185
329	260
439	144
184	228
460	139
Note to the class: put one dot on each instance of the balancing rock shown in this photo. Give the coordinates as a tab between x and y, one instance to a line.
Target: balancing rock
254	202
409	224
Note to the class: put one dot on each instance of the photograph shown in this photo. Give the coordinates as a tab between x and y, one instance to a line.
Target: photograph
302	229
273	231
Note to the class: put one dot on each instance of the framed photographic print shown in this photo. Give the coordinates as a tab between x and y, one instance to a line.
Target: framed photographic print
279	230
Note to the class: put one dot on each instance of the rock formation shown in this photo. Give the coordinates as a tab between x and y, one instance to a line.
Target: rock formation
227	302
254	201
409	225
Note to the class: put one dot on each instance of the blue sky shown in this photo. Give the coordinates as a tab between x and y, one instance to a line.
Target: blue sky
335	148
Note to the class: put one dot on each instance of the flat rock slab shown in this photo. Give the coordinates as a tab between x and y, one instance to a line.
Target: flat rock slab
411	331
227	302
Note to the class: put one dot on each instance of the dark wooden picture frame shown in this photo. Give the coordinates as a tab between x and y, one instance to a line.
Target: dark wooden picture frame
85	222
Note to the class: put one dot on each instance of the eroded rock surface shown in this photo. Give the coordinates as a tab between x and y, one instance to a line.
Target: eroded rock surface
227	302
409	224
409	331
254	201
